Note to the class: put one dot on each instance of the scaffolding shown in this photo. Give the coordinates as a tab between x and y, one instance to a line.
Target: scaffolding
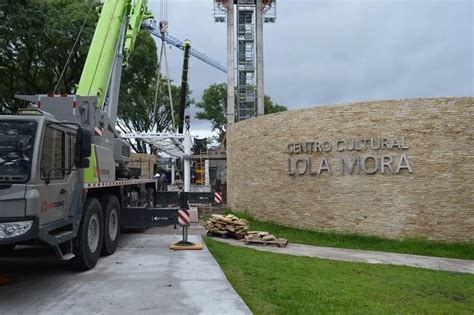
246	44
246	64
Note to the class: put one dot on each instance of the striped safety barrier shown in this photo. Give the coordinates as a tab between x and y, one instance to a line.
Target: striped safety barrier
184	217
218	197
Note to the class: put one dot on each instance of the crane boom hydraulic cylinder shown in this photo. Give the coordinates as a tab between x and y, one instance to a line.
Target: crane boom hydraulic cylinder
184	85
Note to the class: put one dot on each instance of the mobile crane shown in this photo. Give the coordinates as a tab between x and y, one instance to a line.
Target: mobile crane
64	180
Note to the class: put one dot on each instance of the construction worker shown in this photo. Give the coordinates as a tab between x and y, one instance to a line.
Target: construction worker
164	182
157	178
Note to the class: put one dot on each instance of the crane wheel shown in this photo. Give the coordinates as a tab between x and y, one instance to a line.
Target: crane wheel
112	221
88	243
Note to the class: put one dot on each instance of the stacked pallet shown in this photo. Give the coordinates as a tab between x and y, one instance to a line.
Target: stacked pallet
145	162
227	226
264	238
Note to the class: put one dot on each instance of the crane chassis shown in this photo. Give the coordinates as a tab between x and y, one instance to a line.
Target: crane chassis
64	180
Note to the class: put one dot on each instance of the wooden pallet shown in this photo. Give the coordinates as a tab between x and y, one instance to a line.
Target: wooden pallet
280	242
223	234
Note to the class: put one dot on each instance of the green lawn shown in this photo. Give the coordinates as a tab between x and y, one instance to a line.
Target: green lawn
281	284
331	239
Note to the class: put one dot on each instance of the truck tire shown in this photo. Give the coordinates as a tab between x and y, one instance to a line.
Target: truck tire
88	243
7	249
112	221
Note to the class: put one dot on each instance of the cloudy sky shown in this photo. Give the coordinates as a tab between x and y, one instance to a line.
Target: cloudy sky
333	51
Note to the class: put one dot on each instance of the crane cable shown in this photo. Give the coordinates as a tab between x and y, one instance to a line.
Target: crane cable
73	47
163	10
155	106
169	85
157	88
163	30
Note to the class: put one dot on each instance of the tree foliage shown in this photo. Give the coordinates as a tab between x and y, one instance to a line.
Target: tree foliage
270	107
214	108
36	37
35	40
137	110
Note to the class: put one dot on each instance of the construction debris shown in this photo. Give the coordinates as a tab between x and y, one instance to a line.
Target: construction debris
232	227
227	226
264	238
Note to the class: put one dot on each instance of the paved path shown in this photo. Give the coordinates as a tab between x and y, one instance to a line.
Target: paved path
371	257
142	277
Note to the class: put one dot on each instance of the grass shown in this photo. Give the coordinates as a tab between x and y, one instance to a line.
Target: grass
355	241
281	284
204	216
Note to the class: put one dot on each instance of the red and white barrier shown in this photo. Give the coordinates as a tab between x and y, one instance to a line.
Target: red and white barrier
184	217
218	197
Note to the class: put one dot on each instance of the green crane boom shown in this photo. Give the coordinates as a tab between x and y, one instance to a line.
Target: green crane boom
100	58
184	85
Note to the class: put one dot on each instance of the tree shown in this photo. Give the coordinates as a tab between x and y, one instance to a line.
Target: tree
270	107
214	106
35	41
36	37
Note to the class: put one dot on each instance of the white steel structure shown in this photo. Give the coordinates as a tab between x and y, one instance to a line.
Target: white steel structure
169	143
176	145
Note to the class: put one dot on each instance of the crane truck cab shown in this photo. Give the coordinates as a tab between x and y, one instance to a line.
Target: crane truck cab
40	159
60	184
39	162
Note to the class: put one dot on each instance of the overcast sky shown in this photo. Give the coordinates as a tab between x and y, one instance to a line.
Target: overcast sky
332	51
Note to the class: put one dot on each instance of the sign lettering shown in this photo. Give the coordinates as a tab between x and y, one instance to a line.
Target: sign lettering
360	162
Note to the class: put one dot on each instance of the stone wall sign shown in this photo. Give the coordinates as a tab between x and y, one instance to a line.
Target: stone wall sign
369	155
396	169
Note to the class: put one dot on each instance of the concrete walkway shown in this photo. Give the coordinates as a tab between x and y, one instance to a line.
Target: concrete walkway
370	257
142	277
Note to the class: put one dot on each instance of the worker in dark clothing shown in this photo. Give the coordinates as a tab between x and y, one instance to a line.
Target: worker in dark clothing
156	177
164	182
